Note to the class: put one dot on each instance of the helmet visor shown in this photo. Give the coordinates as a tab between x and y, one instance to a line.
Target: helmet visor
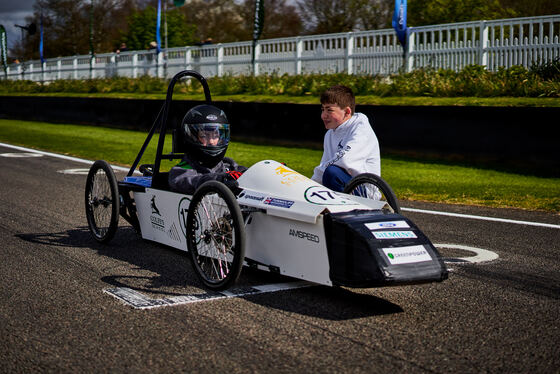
209	134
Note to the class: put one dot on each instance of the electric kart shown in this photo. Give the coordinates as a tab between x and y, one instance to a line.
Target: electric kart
276	220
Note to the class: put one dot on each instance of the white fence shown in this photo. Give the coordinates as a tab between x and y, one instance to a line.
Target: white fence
493	44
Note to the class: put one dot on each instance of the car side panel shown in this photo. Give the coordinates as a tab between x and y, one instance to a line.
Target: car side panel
297	249
163	216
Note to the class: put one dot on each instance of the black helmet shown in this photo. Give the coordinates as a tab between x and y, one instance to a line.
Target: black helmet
205	131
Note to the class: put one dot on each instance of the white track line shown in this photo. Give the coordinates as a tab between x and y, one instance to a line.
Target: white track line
482	255
470	216
483	218
70	158
138	300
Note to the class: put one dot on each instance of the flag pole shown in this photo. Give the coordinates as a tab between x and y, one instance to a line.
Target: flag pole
91	51
4	50
258	26
41	52
158	37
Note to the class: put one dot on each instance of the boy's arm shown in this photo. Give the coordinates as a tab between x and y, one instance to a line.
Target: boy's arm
320	169
188	180
185	180
360	150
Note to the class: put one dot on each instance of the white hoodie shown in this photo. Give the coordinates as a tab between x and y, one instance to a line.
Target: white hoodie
353	146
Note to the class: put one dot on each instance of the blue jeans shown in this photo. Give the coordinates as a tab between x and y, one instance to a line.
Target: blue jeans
335	178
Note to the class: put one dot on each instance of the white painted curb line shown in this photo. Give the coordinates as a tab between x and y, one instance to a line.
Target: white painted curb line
483	218
70	158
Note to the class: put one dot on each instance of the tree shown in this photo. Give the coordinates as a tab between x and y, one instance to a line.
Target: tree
328	16
374	14
179	32
280	19
433	12
66	27
219	20
524	8
345	15
142	29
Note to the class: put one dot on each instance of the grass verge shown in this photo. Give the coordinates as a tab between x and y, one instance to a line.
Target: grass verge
411	180
309	99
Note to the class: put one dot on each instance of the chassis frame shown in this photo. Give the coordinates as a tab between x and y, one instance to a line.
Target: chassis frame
277	221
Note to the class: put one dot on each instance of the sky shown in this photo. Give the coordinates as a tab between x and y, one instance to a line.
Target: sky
13	12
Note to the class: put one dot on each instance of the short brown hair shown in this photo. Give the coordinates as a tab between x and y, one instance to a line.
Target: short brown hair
339	95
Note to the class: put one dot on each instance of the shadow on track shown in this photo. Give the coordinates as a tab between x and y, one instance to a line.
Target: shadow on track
168	272
329	303
168	268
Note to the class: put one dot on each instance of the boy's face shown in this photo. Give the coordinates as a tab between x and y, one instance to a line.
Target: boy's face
208	137
334	116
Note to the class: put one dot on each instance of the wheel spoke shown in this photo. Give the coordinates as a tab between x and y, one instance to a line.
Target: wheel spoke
215	253
102	202
215	235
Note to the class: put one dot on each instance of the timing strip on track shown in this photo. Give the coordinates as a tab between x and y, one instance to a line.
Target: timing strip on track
138	300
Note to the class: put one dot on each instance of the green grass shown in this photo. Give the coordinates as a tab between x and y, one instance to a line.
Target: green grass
363	100
411	180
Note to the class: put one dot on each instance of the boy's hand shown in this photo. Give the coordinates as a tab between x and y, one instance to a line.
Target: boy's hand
230	180
234	174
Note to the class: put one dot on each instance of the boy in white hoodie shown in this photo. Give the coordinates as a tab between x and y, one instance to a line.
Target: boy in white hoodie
350	145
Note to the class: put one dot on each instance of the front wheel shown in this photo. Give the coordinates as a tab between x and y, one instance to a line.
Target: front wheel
102	201
373	187
216	235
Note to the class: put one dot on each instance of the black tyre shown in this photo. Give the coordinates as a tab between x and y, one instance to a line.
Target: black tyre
216	235
372	186
102	201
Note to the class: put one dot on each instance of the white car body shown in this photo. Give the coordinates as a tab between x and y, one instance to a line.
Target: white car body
285	229
285	232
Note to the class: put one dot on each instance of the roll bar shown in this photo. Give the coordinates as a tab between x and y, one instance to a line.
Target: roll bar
161	120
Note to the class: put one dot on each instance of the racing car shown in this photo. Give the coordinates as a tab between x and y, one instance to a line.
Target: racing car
275	220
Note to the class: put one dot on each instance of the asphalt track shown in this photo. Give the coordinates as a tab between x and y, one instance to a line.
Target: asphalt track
57	316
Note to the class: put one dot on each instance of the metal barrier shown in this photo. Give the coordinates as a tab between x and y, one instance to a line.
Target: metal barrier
493	44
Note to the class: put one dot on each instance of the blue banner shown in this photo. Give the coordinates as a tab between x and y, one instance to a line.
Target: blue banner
41	42
158	25
399	21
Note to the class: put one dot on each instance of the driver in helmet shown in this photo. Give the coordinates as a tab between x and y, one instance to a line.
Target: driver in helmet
205	135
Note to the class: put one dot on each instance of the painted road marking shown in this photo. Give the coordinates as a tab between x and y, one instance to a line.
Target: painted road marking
138	300
56	155
120	168
484	218
74	171
481	255
20	154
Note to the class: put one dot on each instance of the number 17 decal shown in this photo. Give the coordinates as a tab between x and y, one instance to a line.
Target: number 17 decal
323	196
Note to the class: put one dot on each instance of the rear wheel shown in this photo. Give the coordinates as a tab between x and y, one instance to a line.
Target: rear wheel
373	187
102	201
216	235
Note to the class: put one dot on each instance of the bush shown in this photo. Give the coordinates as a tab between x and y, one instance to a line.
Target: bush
540	81
549	70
